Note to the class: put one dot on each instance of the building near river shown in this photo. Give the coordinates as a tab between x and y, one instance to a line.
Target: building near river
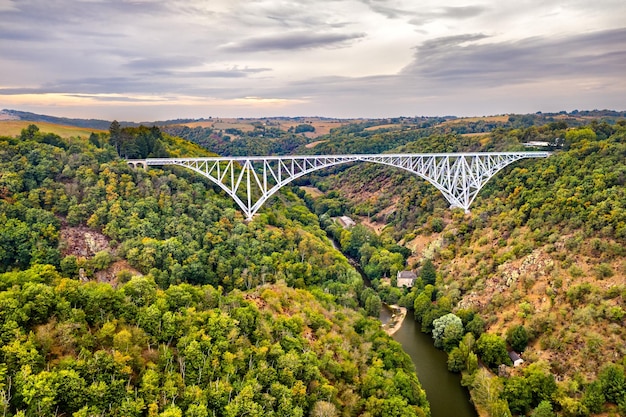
515	358
406	279
346	222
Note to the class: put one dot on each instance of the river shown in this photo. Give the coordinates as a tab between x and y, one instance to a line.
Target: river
446	395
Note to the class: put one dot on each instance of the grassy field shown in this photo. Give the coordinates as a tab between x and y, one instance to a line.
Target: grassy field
501	118
388	126
14	128
322	126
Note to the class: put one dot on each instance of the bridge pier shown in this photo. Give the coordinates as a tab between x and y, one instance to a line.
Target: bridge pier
136	163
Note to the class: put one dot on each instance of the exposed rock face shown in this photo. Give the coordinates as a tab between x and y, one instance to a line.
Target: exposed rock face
508	276
82	241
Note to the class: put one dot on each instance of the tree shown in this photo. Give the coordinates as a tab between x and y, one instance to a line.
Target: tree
518	394
115	137
30	132
428	273
476	326
613	382
304	128
540	381
492	350
456	361
324	409
373	304
94	140
517	338
486	393
447	331
544	409
593	397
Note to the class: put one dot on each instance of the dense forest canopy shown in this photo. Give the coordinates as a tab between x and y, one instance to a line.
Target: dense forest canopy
142	293
133	292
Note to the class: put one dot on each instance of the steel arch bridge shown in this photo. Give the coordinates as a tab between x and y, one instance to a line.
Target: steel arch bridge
252	180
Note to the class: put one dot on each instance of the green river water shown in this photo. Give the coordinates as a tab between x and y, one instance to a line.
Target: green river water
447	397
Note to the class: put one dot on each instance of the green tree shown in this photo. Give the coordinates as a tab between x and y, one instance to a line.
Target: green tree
613	382
30	132
456	360
492	350
544	409
476	326
447	331
593	397
115	135
373	305
517	338
428	273
518	394
541	381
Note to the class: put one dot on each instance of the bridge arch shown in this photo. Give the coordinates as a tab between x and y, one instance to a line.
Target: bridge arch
251	181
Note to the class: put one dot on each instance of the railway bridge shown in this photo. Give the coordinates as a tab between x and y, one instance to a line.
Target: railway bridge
252	180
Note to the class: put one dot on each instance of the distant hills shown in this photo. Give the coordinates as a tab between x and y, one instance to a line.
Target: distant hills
101	124
33	117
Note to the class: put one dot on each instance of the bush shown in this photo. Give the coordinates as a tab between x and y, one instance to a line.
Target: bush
517	338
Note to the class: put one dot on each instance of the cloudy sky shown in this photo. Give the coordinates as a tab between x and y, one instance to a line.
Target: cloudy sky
151	59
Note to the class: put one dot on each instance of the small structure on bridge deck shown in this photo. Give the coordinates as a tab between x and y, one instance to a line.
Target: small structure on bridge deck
406	279
536	144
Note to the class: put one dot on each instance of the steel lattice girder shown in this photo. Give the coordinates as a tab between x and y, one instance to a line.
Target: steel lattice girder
250	181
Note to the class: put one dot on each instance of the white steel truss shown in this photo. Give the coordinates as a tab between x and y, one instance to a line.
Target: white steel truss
251	181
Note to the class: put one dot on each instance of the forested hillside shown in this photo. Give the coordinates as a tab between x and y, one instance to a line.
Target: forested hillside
132	292
144	293
538	266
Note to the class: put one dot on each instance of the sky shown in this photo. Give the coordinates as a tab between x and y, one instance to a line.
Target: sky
146	60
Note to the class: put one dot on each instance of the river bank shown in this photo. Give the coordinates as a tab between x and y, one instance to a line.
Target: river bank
397	318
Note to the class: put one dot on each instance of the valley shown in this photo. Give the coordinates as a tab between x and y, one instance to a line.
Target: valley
148	293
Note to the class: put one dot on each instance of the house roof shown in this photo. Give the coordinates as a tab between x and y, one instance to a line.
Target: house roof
407	275
514	356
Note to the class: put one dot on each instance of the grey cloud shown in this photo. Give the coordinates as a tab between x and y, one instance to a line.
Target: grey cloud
159	62
227	73
181	66
231	73
18	91
102	85
461	12
108	98
297	14
461	59
389	12
443	67
292	41
450	41
24	35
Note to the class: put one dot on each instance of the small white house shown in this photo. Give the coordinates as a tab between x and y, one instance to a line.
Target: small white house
516	358
406	279
346	222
